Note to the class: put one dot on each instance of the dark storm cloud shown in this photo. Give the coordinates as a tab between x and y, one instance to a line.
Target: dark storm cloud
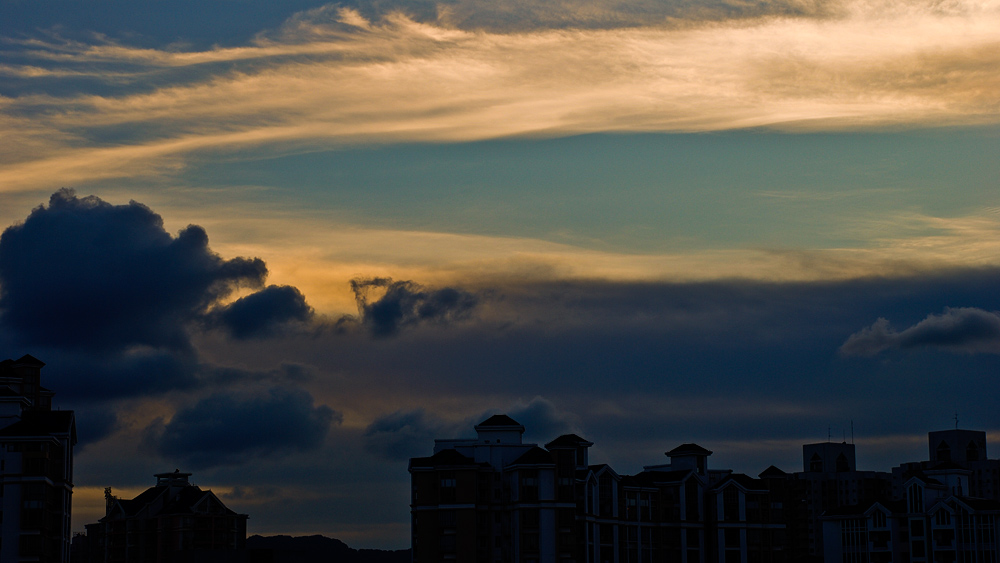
83	376
691	361
82	273
963	329
109	299
405	434
542	421
226	427
93	425
264	313
399	304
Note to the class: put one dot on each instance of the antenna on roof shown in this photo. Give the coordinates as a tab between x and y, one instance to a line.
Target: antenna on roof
852	431
829	434
956	420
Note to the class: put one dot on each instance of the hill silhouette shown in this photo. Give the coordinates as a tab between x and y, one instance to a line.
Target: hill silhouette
316	549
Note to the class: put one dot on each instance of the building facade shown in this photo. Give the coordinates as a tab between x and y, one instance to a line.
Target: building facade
495	499
945	509
36	467
173	522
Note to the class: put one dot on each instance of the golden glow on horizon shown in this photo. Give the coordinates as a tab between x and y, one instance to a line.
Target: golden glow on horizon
320	258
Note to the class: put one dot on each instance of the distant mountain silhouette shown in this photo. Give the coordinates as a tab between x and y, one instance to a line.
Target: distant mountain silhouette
316	549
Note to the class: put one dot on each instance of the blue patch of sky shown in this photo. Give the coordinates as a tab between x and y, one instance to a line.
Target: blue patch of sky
638	192
151	23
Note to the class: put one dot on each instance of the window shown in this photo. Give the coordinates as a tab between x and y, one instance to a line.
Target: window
605	495
915	499
31	545
943	452
816	464
731	503
448	484
446	518
842	465
529	485
972	452
529	519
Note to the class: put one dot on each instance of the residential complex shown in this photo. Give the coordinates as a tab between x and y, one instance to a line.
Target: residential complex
36	467
943	510
494	498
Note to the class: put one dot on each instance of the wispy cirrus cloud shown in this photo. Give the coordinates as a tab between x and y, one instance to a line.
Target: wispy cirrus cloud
330	77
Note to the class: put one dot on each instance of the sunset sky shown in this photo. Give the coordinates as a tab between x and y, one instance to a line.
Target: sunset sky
285	245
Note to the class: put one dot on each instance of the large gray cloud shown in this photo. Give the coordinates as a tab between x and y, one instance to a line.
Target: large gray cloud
961	329
111	302
263	313
404	303
82	273
404	434
230	427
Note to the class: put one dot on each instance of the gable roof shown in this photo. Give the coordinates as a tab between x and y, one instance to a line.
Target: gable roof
443	457
568	441
771	472
183	502
742	480
499	420
535	456
28	359
688	449
42	424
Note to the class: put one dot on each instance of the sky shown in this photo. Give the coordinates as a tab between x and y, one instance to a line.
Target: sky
286	245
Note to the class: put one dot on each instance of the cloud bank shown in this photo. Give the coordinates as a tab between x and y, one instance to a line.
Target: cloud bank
963	329
106	294
405	303
227	428
82	273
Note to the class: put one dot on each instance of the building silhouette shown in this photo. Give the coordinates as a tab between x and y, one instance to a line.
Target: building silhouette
36	467
173	522
494	498
945	509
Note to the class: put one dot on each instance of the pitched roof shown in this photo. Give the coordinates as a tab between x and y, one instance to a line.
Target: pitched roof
978	504
443	457
688	449
772	471
29	359
131	507
499	420
42	423
183	502
743	480
535	456
568	441
946	466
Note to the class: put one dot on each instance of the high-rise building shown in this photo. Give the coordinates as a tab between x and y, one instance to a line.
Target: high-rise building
36	467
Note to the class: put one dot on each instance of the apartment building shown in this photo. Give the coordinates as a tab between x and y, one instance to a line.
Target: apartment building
36	467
